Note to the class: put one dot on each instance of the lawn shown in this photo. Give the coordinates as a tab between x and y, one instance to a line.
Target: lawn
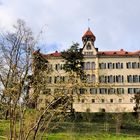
85	131
99	136
4	126
2	138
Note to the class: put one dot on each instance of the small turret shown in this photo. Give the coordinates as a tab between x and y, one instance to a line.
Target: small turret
88	36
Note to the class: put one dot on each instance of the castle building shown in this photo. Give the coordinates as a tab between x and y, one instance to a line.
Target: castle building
114	74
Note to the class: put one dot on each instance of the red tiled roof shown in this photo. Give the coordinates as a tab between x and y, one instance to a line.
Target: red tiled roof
55	54
118	53
101	53
88	33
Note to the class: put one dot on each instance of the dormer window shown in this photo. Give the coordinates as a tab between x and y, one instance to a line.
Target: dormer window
88	46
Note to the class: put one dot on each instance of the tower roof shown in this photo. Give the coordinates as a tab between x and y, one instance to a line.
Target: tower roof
89	34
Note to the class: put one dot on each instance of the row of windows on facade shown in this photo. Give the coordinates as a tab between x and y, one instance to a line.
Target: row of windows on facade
97	90
102	79
109	90
120	100
119	79
57	79
110	65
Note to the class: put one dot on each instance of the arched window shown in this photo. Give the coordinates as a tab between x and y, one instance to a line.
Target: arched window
128	65
87	65
92	65
93	78
88	78
118	65
110	65
88	47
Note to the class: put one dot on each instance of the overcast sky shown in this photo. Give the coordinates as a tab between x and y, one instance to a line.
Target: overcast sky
115	23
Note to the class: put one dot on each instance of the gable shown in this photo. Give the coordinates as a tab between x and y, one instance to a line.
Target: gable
89	49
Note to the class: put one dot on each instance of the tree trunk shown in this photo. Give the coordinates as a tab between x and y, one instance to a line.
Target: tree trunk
6	114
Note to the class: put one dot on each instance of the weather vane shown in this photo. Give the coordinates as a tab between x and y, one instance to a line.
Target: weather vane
88	23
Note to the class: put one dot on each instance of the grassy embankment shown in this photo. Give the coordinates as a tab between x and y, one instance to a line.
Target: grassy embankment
88	127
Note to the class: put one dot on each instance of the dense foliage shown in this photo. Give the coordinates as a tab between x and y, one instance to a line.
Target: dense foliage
74	59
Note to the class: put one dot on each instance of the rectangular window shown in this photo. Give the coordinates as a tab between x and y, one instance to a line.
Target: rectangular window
93	100
120	100
136	90
110	79
103	79
133	90
83	100
111	100
93	91
120	90
111	91
103	90
102	65
135	65
130	90
82	90
135	78
102	100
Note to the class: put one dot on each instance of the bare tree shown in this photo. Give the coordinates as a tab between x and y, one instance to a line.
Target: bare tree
16	48
24	77
56	105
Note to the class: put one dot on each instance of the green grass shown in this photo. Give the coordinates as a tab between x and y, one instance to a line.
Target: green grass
82	131
78	136
4	126
2	138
